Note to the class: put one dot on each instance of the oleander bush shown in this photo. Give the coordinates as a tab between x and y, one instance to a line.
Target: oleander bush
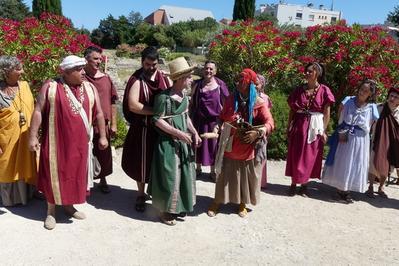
41	44
349	54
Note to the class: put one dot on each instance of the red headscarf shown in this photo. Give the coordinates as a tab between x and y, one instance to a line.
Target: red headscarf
248	76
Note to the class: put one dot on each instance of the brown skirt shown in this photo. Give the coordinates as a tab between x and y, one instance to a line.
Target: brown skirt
239	182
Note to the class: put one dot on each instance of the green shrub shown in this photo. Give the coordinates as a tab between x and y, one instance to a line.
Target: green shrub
123	50
121	133
172	56
277	142
164	52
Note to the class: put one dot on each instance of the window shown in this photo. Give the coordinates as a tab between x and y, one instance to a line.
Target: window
333	19
311	17
298	16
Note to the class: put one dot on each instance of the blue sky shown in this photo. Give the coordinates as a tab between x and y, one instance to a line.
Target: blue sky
88	13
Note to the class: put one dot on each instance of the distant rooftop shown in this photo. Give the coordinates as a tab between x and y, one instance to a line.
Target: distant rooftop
177	14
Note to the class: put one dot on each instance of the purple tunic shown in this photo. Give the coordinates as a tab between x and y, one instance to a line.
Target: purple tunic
304	160
205	110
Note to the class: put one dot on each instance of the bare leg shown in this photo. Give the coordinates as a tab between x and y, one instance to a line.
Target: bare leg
370	191
141	187
141	198
292	190
104	185
50	209
381	191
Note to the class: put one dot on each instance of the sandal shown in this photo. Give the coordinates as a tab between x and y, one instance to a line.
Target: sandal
242	211
370	193
345	196
140	203
104	188
167	219
213	209
348	198
303	191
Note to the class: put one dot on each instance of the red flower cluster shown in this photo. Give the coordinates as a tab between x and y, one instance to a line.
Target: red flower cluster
40	44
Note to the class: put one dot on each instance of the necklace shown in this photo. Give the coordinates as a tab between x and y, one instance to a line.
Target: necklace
243	100
80	98
21	114
311	98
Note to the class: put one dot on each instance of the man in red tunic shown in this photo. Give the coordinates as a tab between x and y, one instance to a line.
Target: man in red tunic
65	108
138	101
108	97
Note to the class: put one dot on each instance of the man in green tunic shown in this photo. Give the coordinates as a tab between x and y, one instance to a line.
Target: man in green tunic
172	178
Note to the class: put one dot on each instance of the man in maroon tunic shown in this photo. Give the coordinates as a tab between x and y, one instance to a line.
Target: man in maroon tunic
138	101
65	108
108	97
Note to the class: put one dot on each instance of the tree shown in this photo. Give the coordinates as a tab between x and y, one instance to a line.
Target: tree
243	9
266	17
49	6
135	18
13	9
393	16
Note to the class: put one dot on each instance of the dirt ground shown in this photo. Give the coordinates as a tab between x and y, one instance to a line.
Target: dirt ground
280	230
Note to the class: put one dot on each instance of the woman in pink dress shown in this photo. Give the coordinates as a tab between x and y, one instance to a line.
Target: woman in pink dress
306	131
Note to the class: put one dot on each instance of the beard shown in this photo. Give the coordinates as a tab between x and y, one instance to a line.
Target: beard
148	72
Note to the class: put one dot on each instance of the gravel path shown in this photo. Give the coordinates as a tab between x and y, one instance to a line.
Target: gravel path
281	230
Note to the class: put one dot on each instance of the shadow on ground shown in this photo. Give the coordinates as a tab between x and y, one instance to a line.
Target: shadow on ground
36	210
122	201
322	192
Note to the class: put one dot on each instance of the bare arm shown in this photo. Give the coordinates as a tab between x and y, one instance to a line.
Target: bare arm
114	118
36	120
102	142
164	126
134	104
326	120
326	116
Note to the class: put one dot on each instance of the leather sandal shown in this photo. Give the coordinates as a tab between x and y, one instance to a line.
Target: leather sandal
213	209
370	192
242	210
167	219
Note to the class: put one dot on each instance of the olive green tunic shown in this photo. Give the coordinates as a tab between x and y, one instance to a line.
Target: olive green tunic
172	178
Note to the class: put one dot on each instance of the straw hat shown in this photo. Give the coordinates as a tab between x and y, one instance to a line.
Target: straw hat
179	68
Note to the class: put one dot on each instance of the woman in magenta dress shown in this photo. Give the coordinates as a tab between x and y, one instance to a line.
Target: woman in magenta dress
306	131
209	94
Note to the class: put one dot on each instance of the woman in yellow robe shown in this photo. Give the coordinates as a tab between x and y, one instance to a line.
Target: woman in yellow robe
18	168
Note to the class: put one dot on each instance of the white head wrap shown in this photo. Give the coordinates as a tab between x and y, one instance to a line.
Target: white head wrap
72	61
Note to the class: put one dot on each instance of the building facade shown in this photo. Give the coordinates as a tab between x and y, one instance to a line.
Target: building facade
167	15
300	15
